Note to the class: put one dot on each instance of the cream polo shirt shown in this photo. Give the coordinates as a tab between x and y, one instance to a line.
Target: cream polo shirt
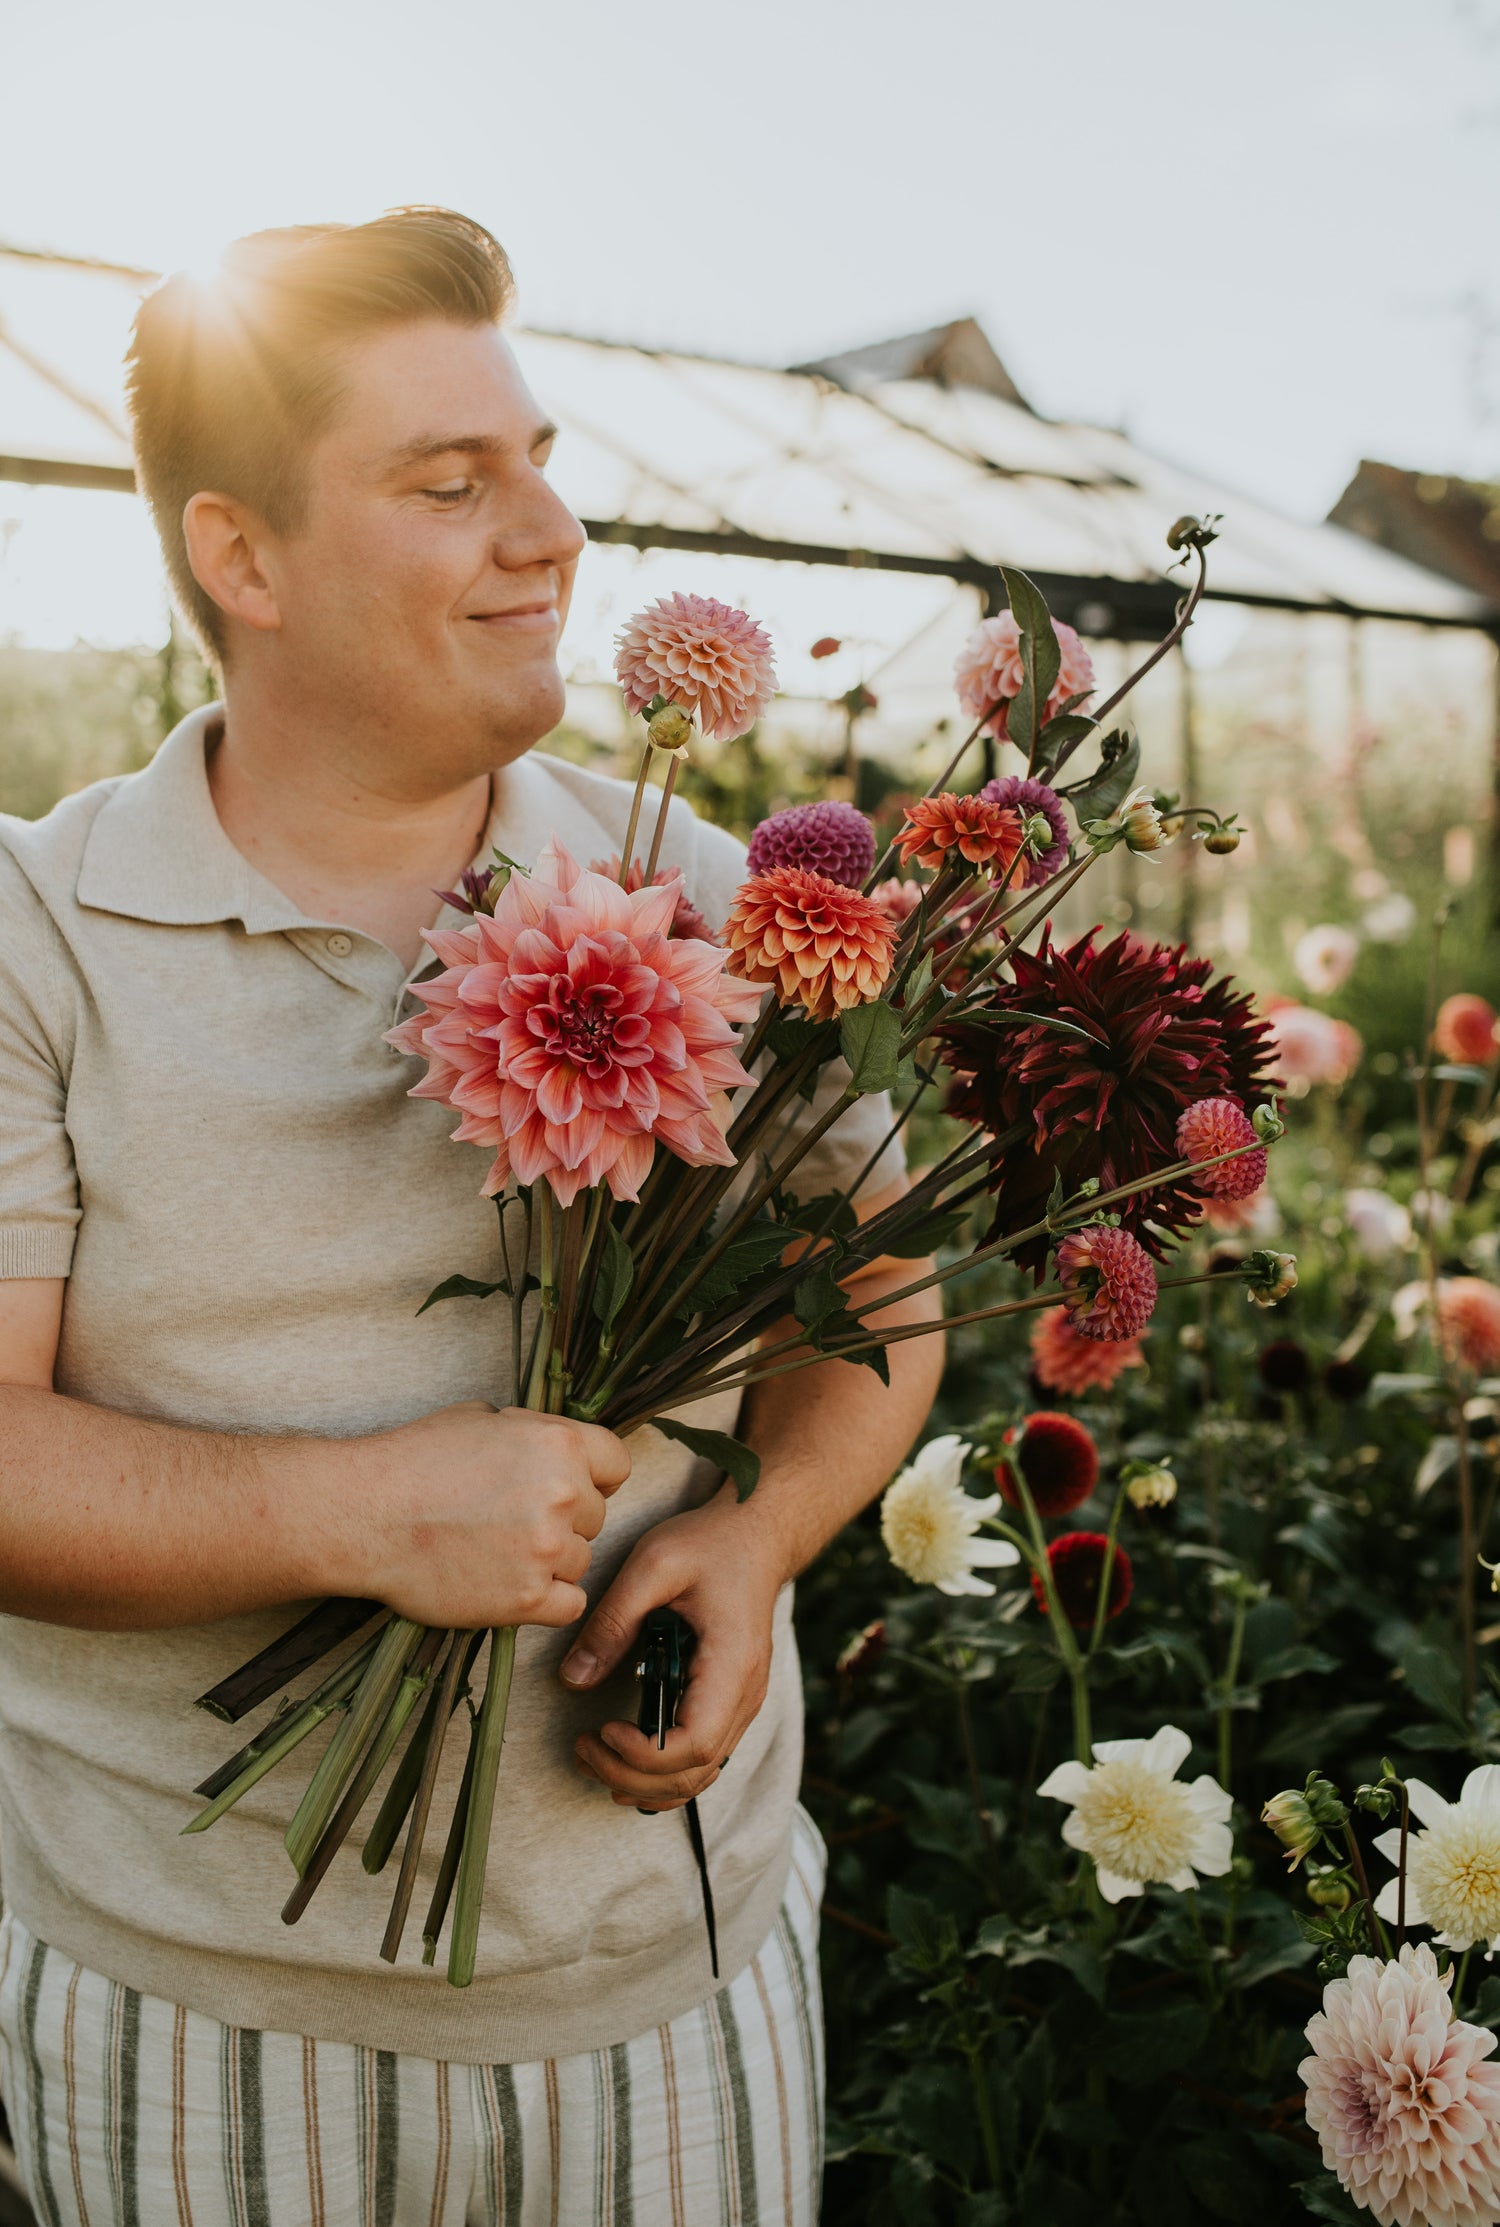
203	1128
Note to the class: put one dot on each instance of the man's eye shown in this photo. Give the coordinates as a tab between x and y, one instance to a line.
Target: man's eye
449	494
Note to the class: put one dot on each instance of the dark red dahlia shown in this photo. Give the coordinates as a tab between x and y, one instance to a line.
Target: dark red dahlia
1058	1460
1284	1366
1160	1033
1077	1564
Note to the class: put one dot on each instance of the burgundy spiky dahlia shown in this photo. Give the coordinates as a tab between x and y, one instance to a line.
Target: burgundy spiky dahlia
1159	1033
1027	797
1058	1460
1077	1562
830	838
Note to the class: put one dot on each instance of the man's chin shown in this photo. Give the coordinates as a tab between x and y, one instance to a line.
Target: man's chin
518	712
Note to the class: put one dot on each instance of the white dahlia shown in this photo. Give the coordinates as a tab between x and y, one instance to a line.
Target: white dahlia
928	1523
1138	1822
1405	2109
1453	1866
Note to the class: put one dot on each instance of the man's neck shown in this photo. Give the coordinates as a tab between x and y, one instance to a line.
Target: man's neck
339	845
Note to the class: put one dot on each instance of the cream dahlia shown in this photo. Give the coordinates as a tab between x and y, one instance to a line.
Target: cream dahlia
1109	1284
1406	2111
1064	1361
822	945
571	1033
989	670
929	1523
699	653
1136	1819
1453	1866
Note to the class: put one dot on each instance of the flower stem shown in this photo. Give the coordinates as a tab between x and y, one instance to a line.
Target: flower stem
668	785
377	1689
1226	1699
1074	1662
481	1808
627	848
1111	1543
1357	1860
985	2112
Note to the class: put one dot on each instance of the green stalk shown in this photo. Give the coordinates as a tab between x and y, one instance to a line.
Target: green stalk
1226	1704
437	1909
481	1808
1101	1606
628	847
397	1643
265	1752
1074	1663
455	1674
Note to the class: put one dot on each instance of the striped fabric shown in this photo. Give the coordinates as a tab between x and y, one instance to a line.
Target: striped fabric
130	2112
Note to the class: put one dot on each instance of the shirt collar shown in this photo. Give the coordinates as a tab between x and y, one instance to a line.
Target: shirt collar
157	851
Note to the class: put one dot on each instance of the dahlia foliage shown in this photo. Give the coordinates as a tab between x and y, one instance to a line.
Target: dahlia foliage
644	1084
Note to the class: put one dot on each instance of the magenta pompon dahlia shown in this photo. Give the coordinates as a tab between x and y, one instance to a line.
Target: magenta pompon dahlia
1109	1284
1214	1125
702	654
573	1035
1159	1034
1028	798
829	838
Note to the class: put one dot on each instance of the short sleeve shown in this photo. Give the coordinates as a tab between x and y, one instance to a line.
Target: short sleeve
39	1206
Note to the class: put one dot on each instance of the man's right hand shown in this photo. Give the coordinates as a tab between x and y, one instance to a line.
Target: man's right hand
471	1517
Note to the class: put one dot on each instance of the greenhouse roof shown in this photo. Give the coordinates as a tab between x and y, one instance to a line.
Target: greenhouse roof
889	458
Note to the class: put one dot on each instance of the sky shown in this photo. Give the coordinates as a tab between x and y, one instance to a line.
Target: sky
1258	234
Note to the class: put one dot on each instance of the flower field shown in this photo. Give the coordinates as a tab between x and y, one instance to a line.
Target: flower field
1135	1594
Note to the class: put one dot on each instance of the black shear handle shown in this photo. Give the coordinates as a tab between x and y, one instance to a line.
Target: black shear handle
667	1642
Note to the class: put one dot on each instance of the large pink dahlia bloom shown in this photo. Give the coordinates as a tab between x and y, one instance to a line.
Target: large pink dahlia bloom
571	1033
702	654
1405	2108
989	670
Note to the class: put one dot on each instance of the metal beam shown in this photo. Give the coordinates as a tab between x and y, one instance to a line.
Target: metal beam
52	471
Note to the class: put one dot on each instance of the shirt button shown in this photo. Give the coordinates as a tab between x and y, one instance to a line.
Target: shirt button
340	946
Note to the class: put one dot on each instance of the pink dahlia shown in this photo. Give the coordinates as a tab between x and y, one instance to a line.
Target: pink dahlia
571	1033
1469	1318
702	654
1214	1125
687	920
1466	1029
989	670
1406	2111
1028	798
1066	1362
1109	1284
1310	1047
897	899
828	838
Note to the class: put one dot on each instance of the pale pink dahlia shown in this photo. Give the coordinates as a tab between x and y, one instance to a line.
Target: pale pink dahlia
1404	2107
571	1034
702	654
829	838
1065	1362
1469	1319
989	670
1311	1047
1214	1125
1109	1284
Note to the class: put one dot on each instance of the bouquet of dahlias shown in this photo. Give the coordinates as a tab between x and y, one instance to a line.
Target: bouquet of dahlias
633	1078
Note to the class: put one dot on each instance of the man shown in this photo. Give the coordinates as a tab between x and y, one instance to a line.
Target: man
219	1212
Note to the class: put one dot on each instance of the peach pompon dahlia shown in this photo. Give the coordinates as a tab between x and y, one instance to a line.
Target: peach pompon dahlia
1066	1362
572	1034
821	944
1213	1125
702	654
1109	1284
1406	2111
963	827
989	670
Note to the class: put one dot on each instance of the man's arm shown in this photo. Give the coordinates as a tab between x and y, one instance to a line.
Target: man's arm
829	1438
115	1523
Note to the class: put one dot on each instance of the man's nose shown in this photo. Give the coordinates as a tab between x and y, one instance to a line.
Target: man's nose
540	530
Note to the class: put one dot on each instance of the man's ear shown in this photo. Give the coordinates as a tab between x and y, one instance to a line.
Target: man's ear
224	549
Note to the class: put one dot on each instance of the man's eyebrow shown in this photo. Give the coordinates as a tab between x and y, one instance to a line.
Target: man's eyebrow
460	444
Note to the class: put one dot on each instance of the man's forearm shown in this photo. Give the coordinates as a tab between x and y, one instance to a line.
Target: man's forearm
830	1436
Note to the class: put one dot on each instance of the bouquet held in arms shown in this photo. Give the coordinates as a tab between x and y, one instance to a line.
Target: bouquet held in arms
644	1092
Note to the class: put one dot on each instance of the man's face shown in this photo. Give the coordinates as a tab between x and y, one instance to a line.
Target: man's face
426	589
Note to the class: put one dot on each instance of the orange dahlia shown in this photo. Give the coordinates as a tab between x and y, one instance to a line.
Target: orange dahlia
1063	1361
821	944
976	827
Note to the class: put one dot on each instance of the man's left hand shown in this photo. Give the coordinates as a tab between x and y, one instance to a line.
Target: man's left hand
715	1567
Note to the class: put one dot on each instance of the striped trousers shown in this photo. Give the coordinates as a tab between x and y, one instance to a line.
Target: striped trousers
130	2112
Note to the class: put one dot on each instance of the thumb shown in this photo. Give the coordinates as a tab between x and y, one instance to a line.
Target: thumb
615	1622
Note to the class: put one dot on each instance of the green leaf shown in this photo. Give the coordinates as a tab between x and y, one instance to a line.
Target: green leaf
1292	1662
1059	732
615	1277
461	1287
1433	1677
934	1230
830	1214
789	1036
1112	780
729	1454
1390	1384
757	1248
1041	659
1044	1020
870	1040
1325	2199
818	1296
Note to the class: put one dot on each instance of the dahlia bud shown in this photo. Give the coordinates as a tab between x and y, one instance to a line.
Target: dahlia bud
1039	834
1273	1276
1299	1818
670	729
1189	532
863	1651
1149	1484
1267	1124
1222	840
1142	824
1329	1887
1494	1570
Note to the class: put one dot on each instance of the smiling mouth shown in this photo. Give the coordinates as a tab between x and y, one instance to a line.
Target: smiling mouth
525	618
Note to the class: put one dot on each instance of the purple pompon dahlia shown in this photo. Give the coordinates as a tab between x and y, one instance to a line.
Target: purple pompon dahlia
1028	798
829	838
